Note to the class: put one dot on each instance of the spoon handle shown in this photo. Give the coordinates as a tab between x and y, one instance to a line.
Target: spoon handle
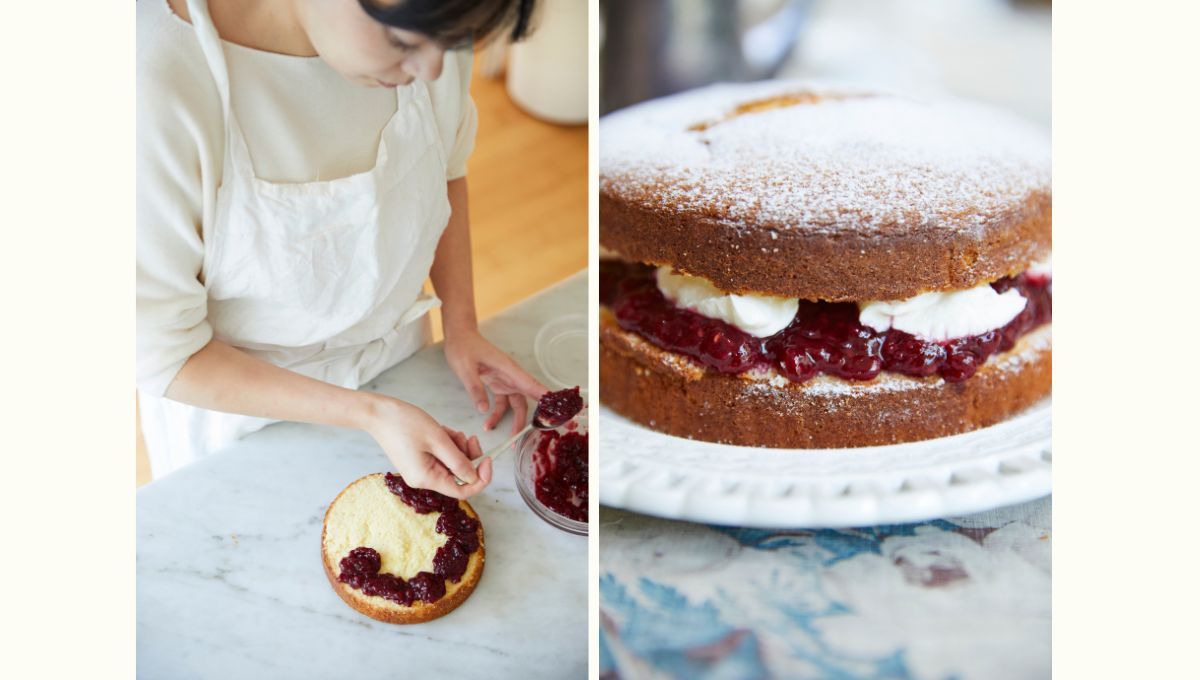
497	450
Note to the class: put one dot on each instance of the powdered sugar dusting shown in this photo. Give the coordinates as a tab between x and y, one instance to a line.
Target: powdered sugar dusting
866	164
770	381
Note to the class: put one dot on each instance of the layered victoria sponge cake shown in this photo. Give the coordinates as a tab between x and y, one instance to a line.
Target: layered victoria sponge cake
811	266
399	554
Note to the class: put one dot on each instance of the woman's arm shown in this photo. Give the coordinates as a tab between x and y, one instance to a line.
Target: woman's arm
473	359
223	378
451	271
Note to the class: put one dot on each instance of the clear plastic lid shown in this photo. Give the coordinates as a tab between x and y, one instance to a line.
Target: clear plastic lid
561	349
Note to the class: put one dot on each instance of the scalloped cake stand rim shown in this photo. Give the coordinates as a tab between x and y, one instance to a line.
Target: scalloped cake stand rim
676	478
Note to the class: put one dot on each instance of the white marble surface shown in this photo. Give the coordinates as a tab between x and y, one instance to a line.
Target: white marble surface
229	576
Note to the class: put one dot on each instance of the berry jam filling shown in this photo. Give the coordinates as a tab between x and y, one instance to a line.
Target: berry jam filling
360	568
424	501
556	408
824	337
560	476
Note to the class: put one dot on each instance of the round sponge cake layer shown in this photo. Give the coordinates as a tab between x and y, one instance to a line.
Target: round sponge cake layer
367	514
671	393
801	190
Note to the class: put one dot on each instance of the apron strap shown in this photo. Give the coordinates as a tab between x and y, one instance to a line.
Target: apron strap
214	52
414	104
418	93
237	154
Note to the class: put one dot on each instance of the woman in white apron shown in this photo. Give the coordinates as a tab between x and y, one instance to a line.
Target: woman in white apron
268	295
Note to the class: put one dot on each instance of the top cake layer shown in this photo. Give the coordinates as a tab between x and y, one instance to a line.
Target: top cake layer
805	190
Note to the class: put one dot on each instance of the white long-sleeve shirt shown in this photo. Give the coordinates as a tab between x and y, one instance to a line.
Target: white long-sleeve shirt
302	122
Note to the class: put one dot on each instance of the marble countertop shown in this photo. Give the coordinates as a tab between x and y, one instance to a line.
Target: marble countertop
229	576
963	598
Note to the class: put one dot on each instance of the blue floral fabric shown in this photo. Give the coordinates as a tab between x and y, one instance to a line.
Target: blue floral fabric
955	599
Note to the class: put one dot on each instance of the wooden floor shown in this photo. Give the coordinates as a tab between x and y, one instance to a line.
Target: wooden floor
528	193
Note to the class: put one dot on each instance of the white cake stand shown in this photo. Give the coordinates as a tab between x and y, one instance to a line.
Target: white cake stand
676	478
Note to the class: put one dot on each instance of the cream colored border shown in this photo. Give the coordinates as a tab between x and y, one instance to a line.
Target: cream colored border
66	276
594	335
1126	148
1126	448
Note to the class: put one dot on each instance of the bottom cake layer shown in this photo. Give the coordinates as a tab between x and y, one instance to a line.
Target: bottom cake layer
673	394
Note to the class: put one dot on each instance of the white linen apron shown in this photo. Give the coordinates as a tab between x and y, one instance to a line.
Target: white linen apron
323	278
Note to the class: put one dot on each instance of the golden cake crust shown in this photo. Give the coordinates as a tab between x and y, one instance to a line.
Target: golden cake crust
673	394
796	190
382	609
817	266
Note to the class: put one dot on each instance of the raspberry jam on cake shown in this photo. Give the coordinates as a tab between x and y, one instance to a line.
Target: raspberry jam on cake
360	568
823	337
561	473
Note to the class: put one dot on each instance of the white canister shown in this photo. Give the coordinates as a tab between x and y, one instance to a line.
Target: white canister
548	71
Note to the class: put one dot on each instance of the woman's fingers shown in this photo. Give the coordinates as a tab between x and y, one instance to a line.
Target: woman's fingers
443	482
468	445
520	411
459	438
485	472
506	376
474	448
453	457
497	412
526	384
476	390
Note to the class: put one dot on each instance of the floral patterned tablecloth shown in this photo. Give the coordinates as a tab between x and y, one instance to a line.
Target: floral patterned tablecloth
965	598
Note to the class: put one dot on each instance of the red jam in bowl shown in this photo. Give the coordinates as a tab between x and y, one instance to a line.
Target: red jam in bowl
560	473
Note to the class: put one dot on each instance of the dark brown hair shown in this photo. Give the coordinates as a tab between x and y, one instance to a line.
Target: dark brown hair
454	23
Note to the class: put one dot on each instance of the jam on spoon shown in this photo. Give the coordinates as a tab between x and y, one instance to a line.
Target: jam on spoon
554	409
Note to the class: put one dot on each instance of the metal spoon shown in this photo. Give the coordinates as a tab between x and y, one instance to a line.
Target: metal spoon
536	423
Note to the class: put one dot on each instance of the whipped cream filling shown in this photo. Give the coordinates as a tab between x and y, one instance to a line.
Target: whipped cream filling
758	315
1040	268
935	317
938	317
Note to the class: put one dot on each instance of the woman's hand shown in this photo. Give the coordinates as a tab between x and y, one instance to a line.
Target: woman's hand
426	454
477	363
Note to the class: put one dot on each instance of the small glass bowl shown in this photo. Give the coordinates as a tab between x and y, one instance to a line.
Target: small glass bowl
523	469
